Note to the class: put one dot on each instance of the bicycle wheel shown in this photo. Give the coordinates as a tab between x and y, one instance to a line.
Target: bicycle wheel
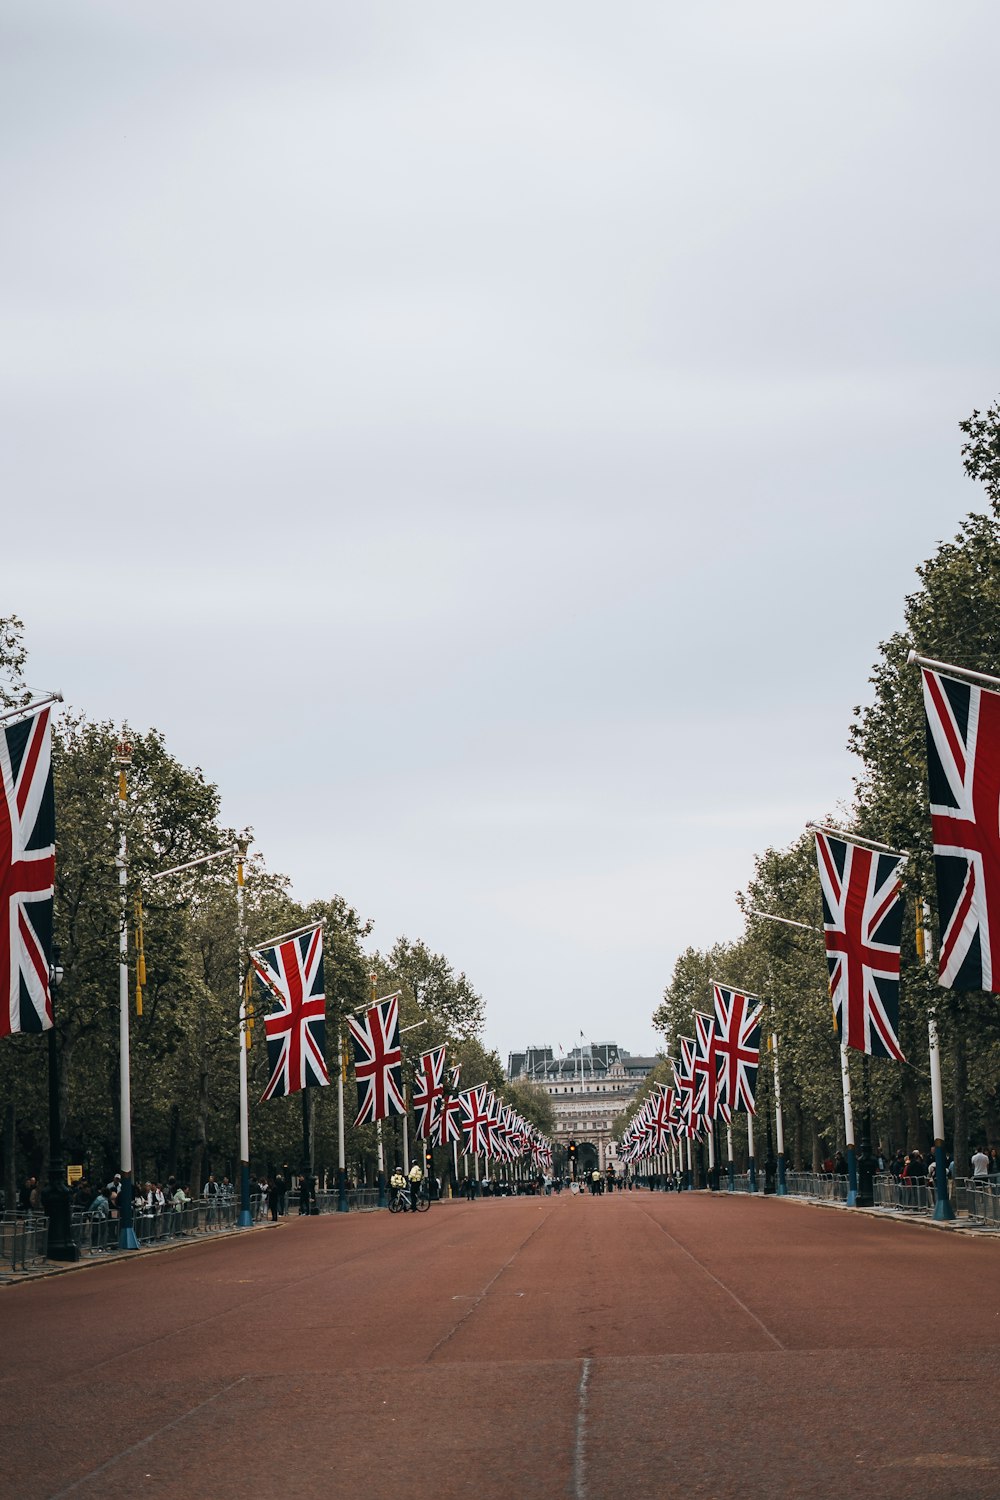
394	1204
423	1203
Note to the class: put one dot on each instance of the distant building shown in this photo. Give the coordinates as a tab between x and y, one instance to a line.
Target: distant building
588	1087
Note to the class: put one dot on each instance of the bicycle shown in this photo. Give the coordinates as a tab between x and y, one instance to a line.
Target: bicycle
402	1201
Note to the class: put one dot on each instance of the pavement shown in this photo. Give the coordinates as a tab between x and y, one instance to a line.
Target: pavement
635	1345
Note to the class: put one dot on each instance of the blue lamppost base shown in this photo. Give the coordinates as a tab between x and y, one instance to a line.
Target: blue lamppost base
383	1201
731	1176
343	1206
126	1233
943	1209
752	1175
781	1191
852	1178
245	1220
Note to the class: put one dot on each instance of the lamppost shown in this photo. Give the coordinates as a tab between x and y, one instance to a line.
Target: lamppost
126	1231
56	1198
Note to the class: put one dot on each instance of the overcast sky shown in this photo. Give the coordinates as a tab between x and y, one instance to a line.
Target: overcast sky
493	440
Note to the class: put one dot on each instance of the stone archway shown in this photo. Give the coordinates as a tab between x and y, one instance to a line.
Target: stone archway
588	1159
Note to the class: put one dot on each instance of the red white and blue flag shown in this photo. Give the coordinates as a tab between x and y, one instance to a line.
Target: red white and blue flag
448	1125
27	874
705	1098
476	1119
862	927
378	1061
292	973
737	1050
428	1090
963	782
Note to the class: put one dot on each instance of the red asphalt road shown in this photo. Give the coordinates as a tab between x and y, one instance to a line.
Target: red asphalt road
639	1345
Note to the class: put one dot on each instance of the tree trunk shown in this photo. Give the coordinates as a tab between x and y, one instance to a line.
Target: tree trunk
10	1155
200	1133
960	1141
798	1133
817	1150
912	1102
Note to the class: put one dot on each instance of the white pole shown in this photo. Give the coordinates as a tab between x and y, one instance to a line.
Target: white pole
245	1219
778	1117
845	1079
341	1145
406	1139
751	1154
126	1230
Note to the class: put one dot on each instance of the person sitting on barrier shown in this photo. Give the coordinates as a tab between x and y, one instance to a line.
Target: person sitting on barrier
980	1164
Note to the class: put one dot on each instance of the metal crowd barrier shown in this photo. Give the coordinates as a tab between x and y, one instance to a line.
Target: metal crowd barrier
892	1192
828	1187
24	1239
979	1198
326	1202
97	1236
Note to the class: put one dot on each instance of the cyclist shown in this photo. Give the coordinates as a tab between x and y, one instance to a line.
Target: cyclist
416	1178
398	1183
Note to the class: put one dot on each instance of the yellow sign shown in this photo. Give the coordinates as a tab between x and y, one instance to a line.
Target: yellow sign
73	1174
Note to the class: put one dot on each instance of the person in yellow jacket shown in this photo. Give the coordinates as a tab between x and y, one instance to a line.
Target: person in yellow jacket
397	1180
416	1178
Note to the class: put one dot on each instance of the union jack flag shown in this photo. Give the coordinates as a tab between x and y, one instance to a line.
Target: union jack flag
476	1119
378	1061
27	873
685	1081
963	780
705	1099
737	1048
292	972
862	925
448	1125
428	1090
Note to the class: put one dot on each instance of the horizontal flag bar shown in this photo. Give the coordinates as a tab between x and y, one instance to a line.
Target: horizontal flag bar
203	859
945	666
381	999
854	838
414	1027
285	936
27	709
786	921
738	988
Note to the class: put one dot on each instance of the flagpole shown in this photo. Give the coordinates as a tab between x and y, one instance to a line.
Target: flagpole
944	666
245	1219
943	1209
782	1188
852	1160
730	1165
383	1201
343	1205
126	1231
751	1163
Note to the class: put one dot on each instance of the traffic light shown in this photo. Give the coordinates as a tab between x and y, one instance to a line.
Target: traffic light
429	1161
571	1153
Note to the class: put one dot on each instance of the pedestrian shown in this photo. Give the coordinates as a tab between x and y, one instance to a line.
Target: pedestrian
273	1198
980	1165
